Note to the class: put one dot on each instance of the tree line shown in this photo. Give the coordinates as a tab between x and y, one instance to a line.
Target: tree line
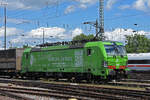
134	43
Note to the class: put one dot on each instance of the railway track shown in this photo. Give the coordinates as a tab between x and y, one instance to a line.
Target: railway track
144	75
136	81
130	84
75	90
36	92
13	96
60	92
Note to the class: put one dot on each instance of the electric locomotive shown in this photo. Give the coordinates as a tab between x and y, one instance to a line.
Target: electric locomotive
95	60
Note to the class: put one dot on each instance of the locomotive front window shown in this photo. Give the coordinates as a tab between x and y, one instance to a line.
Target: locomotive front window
121	50
115	50
111	50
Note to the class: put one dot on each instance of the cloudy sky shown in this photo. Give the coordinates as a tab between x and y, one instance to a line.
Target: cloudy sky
63	19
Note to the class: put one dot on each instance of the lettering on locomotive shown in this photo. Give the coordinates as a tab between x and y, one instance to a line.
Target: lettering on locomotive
79	58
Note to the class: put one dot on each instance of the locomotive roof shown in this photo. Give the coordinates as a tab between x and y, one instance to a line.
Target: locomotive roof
76	43
139	56
79	45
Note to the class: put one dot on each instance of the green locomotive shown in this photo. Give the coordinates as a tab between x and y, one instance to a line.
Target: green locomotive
95	60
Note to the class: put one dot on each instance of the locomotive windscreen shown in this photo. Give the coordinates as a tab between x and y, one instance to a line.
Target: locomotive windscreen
110	49
115	50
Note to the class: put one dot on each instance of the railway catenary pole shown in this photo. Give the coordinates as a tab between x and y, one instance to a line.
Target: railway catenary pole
100	26
101	16
5	22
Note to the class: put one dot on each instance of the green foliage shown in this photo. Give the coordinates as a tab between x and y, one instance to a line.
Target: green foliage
12	47
137	44
83	37
26	46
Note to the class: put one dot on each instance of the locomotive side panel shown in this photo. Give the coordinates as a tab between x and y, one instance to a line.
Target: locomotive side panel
68	60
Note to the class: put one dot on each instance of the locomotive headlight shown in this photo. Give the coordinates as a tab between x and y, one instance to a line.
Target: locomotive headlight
105	64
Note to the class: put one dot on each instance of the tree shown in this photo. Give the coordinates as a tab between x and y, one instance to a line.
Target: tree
83	37
137	44
26	46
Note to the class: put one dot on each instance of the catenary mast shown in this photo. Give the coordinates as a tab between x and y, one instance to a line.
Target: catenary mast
101	17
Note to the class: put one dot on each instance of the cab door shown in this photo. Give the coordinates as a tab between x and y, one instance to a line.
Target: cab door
92	59
89	59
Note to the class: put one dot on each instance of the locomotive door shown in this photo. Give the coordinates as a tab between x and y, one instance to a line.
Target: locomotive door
89	59
92	59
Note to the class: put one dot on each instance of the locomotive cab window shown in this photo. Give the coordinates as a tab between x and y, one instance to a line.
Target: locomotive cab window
89	52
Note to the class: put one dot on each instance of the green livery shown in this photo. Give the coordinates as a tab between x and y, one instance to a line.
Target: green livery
95	60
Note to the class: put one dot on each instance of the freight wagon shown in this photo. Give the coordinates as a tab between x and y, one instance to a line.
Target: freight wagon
10	61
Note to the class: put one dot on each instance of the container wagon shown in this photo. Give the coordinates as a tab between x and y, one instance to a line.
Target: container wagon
10	61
